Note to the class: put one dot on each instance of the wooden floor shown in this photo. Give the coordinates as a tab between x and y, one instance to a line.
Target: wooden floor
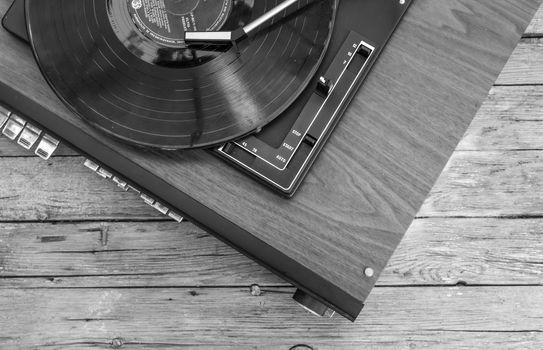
84	265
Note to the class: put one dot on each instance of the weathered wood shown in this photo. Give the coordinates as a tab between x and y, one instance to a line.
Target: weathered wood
63	190
164	318
510	119
468	251
434	251
494	183
536	26
523	67
122	254
9	148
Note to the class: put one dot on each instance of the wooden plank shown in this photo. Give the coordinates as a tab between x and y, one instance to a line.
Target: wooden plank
524	66
122	254
536	26
468	251
164	318
63	190
483	184
434	251
510	119
9	148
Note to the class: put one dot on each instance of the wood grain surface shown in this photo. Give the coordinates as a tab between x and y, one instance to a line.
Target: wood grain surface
137	319
77	271
379	164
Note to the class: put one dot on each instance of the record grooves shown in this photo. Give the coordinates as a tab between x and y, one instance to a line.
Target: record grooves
112	63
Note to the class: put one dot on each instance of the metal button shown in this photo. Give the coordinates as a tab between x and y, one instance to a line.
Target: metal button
160	207
175	216
91	165
29	136
147	199
104	173
47	147
13	127
120	183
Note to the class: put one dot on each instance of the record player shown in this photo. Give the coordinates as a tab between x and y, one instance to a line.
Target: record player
188	103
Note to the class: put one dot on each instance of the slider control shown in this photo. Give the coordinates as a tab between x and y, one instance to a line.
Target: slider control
310	140
324	87
364	51
359	60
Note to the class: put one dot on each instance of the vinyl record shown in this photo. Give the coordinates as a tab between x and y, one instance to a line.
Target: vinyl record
123	65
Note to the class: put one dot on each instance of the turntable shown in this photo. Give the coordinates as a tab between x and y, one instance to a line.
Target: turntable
221	112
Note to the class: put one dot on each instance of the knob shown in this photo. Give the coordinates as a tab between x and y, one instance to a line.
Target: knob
324	86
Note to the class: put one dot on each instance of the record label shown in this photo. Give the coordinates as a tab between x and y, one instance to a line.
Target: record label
166	21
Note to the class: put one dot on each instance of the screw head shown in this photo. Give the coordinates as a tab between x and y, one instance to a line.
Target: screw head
368	271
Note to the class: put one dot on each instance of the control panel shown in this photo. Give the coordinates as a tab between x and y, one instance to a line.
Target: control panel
282	167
